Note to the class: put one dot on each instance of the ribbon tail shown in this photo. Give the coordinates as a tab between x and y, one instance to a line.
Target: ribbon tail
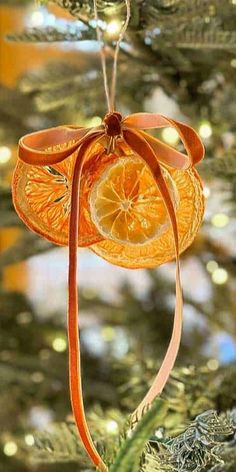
73	318
141	147
189	137
53	145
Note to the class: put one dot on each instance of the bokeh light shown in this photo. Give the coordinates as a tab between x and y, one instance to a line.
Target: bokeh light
220	220
170	135
212	266
205	130
10	448
5	154
29	440
59	344
113	27
220	276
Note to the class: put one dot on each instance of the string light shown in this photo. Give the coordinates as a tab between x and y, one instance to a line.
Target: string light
10	449
220	276
59	344
5	154
205	130
113	27
29	440
170	135
220	220
212	266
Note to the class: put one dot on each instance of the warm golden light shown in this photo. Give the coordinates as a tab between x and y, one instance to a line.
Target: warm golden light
170	135
10	448
112	426
220	276
212	266
5	154
59	344
220	220
29	440
205	130
113	27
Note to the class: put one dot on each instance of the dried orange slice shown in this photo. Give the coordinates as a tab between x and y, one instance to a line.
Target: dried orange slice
160	248
42	197
122	216
126	205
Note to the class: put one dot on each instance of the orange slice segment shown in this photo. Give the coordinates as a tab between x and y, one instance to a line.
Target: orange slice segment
161	249
126	205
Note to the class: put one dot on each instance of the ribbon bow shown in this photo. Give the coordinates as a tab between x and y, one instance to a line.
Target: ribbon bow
52	146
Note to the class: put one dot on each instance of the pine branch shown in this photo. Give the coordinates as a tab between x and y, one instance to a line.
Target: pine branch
225	166
128	456
58	445
50	34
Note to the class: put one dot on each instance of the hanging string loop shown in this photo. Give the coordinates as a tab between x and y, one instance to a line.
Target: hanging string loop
110	92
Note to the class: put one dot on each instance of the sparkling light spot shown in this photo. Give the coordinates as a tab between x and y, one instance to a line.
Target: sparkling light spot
212	266
29	440
213	364
159	434
59	344
170	135
205	130
37	18
220	276
5	154
206	192
113	27
10	448
112	426
220	220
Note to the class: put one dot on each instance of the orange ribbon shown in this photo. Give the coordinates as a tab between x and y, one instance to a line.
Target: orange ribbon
51	146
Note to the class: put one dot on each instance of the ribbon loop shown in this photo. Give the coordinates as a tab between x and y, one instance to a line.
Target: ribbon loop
52	145
168	155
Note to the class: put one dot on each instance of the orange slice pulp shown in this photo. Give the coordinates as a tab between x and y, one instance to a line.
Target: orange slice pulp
126	205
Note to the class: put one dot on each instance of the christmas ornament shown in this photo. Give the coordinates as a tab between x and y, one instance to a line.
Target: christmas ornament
130	198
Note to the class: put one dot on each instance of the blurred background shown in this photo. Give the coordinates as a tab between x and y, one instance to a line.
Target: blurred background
177	59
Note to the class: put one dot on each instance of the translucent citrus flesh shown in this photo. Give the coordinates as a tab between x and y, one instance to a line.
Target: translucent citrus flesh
126	205
189	214
42	197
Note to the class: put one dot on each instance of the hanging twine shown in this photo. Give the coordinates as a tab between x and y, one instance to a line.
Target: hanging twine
111	92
